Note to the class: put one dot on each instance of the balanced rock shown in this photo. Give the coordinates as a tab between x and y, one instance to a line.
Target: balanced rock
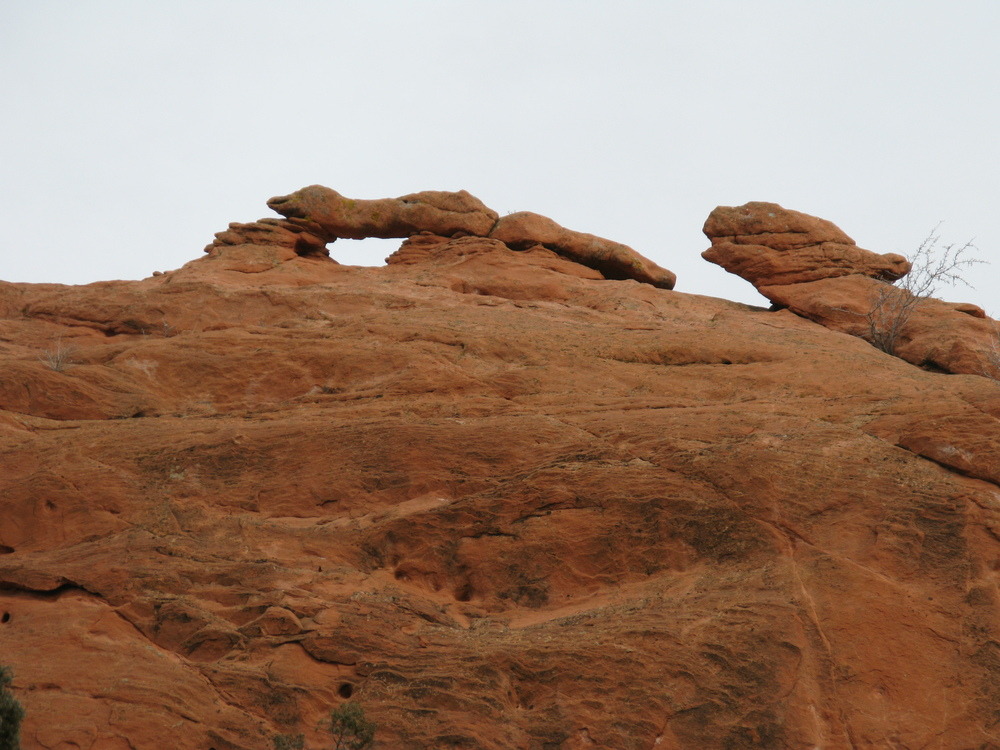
769	245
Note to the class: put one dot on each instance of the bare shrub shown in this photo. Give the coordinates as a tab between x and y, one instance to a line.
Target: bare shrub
59	357
933	265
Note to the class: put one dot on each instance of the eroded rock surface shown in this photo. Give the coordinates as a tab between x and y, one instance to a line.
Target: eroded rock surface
500	501
811	267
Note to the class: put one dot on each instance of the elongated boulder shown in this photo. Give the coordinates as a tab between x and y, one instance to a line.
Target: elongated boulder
436	211
947	336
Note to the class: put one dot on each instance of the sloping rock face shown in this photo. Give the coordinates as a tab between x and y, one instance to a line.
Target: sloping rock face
809	266
496	499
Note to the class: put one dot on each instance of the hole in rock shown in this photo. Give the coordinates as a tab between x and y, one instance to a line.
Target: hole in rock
346	690
5	550
371	251
464	593
5	617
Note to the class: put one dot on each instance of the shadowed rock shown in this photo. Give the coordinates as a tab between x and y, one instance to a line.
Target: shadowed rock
303	237
613	259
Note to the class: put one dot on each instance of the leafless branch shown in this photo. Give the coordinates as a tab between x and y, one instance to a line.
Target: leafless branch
59	357
933	265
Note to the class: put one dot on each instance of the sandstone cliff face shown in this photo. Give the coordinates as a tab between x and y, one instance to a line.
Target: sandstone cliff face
499	500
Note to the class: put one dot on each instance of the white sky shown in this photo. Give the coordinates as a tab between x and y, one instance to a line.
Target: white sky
133	131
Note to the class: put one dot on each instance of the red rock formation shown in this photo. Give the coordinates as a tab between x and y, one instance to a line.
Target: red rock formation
432	211
770	246
459	214
615	261
497	500
809	266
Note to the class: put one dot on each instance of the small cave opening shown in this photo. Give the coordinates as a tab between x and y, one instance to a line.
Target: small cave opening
346	690
5	618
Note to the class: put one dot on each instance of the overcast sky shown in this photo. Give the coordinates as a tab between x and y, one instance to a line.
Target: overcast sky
133	131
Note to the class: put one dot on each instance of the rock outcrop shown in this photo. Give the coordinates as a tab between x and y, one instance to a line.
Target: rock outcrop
811	267
461	214
524	229
771	246
434	211
301	237
498	500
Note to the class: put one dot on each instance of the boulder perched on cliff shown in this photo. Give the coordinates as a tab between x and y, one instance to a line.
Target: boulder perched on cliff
769	245
811	267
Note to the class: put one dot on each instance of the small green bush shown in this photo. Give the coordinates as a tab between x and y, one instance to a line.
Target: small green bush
350	729
347	725
11	713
